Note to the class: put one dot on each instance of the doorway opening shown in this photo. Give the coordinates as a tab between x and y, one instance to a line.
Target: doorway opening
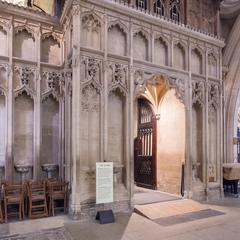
159	143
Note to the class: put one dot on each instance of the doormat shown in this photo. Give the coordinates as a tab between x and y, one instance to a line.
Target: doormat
52	234
187	217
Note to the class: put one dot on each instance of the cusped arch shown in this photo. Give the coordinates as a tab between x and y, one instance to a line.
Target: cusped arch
163	39
52	35
93	15
25	90
49	94
142	32
119	87
118	23
20	29
94	84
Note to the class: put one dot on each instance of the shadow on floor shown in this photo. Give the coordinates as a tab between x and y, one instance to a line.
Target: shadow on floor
96	231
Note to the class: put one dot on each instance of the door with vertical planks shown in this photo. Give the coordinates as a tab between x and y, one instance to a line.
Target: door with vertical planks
145	147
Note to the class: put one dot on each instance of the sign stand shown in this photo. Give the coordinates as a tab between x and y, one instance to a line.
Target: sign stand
105	216
104	190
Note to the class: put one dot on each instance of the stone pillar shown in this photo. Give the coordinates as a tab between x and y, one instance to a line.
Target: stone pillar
37	113
131	119
75	207
68	91
105	77
188	106
206	130
170	53
10	99
152	46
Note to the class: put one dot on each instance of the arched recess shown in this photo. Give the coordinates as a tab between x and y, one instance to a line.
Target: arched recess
212	65
23	132
140	46
50	147
51	50
169	112
117	119
197	143
231	62
3	42
160	52
3	124
24	44
89	140
179	60
196	61
198	126
171	143
91	31
117	39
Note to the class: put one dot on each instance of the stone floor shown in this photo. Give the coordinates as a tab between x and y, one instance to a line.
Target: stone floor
133	227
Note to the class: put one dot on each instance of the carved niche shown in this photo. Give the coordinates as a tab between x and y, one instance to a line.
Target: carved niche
118	77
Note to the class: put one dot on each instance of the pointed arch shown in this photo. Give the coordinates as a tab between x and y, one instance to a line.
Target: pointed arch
51	49
92	30
179	60
117	38
161	49
141	45
197	61
24	43
212	64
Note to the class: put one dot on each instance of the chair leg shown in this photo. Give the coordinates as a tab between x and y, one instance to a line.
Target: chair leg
65	204
5	210
23	210
20	211
52	207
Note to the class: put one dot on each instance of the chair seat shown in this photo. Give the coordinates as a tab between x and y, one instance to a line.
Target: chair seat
58	195
38	198
13	200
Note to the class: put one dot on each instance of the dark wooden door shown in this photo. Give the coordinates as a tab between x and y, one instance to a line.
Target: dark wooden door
145	147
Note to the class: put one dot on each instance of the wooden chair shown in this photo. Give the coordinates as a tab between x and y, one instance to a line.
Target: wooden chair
37	200
57	190
13	196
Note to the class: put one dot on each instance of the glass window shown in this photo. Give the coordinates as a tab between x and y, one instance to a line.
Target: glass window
159	7
142	4
174	11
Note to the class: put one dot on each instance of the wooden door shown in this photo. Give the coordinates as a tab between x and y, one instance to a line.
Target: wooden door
145	147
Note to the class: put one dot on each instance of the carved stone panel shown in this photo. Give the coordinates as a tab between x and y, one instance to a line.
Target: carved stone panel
118	77
213	96
91	71
198	93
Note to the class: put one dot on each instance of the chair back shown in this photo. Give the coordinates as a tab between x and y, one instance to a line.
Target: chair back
57	187
36	188
12	191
